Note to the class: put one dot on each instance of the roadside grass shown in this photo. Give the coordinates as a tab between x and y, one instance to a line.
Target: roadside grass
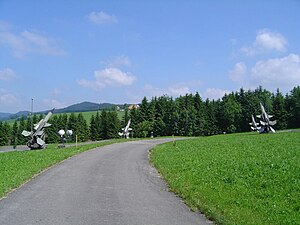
18	167
236	179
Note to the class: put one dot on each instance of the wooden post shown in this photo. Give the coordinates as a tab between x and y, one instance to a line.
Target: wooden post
76	140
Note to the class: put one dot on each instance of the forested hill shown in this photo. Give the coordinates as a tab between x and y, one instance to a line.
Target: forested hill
85	107
79	107
4	115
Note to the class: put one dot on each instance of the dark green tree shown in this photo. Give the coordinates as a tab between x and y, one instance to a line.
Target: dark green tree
103	125
293	108
231	110
22	126
113	125
93	128
52	135
5	131
14	134
280	114
72	125
199	127
82	130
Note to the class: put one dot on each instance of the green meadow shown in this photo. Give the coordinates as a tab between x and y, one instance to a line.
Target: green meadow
86	115
18	167
245	178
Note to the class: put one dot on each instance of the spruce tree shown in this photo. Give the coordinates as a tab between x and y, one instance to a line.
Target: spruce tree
22	126
14	134
93	128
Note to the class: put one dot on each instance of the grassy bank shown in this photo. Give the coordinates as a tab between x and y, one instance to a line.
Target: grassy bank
236	179
18	167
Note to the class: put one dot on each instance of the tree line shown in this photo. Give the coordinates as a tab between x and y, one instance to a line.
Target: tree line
187	115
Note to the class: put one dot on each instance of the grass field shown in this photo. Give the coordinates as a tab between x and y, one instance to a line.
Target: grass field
18	167
86	115
236	179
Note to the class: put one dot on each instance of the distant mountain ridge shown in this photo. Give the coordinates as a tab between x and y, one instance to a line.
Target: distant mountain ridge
79	107
4	115
85	107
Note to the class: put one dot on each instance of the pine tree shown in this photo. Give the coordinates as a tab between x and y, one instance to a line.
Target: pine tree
14	134
72	125
199	113
52	135
113	125
211	117
103	125
98	126
93	129
126	116
2	141
231	108
34	119
82	130
293	108
280	114
135	120
22	126
144	110
5	131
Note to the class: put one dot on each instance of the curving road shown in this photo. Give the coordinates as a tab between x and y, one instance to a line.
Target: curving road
109	185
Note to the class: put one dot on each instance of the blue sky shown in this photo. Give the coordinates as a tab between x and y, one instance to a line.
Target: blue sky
65	52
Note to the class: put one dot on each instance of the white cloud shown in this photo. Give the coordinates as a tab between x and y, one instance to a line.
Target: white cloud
150	91
7	74
4	25
56	92
7	98
53	103
283	73
215	93
178	90
175	90
249	51
238	73
266	41
117	61
108	77
102	18
278	72
29	42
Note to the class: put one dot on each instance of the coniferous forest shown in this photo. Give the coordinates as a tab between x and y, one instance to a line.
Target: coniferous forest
187	115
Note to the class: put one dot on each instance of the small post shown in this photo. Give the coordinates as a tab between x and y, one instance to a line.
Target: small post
76	140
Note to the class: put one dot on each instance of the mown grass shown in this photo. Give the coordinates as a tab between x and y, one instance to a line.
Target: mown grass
18	167
236	179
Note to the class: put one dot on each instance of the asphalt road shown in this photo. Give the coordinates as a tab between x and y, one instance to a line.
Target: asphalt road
109	185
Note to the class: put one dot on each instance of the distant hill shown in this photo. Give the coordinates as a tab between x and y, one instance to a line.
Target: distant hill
4	115
8	116
85	107
79	107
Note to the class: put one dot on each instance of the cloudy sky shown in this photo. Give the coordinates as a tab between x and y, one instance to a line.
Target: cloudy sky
65	52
